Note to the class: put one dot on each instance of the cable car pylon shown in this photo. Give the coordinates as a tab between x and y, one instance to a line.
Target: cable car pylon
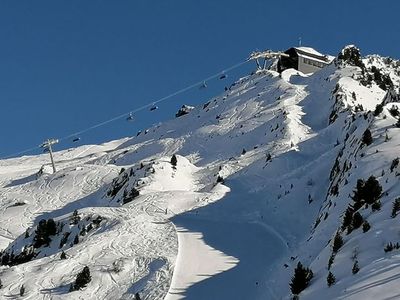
266	55
47	146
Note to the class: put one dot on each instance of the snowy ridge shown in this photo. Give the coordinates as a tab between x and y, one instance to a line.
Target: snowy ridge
263	175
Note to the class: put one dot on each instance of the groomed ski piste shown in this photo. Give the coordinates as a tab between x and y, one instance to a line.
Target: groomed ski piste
263	175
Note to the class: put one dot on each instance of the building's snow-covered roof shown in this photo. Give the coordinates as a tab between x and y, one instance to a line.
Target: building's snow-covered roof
309	52
315	58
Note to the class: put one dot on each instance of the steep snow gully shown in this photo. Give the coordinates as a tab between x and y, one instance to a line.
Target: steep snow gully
222	202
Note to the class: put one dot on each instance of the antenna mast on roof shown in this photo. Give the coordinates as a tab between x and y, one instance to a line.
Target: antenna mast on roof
299	41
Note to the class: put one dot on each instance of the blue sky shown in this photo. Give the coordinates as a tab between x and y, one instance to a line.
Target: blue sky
67	65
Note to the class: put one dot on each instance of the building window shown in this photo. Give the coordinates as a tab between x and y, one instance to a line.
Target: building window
313	63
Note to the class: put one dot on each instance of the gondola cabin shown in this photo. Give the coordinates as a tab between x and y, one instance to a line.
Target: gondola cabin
304	59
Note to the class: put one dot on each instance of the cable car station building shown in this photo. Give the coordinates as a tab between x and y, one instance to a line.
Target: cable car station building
304	59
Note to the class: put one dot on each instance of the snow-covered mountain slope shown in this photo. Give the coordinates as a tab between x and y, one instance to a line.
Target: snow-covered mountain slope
221	202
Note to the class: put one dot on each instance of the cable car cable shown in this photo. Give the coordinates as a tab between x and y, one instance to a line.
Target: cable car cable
150	104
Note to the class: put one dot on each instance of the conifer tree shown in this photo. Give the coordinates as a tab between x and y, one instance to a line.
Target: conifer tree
75	218
220	179
83	231
373	190
394	111
330	279
82	279
367	137
64	239
366	192
269	157
357	220
22	290
366	226
337	242
396	207
394	164
355	268
376	205
378	109
44	230
352	56
129	196
386	137
301	279
137	296
174	160
347	218
331	260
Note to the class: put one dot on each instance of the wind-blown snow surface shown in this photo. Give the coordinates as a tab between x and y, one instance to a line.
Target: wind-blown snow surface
185	236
